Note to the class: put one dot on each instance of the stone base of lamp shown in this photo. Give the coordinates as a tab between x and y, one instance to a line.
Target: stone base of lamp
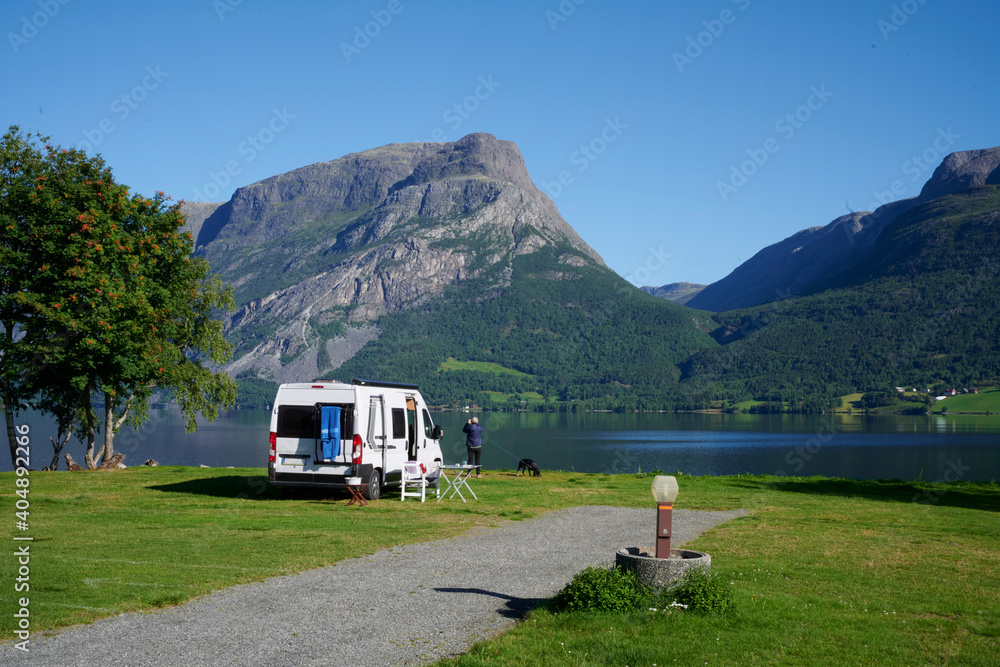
658	573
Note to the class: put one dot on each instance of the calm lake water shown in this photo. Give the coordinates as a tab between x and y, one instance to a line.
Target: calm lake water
858	447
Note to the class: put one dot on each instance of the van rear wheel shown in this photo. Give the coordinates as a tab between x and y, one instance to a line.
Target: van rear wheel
374	489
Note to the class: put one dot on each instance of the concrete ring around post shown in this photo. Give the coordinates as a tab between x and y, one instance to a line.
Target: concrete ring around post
659	573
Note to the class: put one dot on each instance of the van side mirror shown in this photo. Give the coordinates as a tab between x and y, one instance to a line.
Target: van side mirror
438	433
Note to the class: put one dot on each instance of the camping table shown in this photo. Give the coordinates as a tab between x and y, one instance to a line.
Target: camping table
456	483
357	494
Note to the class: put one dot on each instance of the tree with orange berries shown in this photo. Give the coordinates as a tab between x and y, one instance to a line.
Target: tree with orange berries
20	161
111	303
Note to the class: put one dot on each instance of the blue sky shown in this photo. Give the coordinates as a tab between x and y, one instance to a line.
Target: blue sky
678	138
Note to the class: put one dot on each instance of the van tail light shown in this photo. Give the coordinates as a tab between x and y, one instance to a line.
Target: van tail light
274	447
356	450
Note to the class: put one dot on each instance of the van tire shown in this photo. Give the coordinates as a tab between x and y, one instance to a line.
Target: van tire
374	489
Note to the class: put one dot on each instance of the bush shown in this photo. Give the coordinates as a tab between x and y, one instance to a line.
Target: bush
878	399
611	589
700	591
608	589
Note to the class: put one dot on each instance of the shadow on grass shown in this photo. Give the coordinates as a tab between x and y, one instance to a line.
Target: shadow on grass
967	495
515	608
248	487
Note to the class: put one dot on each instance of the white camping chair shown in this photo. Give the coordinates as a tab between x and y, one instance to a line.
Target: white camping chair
414	482
432	477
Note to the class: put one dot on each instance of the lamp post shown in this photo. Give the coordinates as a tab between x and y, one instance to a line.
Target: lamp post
665	493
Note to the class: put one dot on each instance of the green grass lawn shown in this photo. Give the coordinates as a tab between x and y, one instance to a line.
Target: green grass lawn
452	364
987	400
824	571
746	405
850	402
141	538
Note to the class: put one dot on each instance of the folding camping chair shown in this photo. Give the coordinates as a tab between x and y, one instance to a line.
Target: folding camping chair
414	482
415	478
433	478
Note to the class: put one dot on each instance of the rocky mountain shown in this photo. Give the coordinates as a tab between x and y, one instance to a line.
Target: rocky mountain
443	264
807	260
197	213
325	259
677	292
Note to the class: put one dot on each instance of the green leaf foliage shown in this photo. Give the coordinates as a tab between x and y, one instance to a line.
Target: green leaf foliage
602	589
107	297
617	590
698	591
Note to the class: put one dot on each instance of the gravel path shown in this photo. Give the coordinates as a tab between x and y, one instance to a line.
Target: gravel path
405	605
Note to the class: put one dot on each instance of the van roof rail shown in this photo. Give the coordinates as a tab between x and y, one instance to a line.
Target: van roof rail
388	385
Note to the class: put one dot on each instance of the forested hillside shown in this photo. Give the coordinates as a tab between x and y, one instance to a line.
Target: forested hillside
922	308
588	337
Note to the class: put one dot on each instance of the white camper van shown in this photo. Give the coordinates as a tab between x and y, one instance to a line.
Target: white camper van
326	431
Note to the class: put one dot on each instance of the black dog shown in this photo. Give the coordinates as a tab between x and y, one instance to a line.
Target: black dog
529	468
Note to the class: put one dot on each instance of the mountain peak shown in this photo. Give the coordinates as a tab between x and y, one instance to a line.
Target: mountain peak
374	233
812	256
475	154
961	170
677	292
276	205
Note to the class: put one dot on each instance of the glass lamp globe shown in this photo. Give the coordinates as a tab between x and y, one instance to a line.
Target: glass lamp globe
665	489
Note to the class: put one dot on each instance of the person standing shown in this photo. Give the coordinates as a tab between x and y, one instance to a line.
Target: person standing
474	443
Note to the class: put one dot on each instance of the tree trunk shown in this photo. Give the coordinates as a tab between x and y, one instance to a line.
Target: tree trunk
109	429
8	407
8	412
111	425
57	444
91	425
